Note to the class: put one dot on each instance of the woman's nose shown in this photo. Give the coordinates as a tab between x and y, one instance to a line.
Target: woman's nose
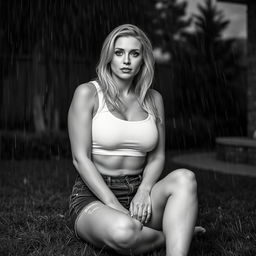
127	59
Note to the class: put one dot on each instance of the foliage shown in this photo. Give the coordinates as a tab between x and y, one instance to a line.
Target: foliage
18	145
34	212
197	132
181	133
51	31
208	72
204	66
188	133
166	20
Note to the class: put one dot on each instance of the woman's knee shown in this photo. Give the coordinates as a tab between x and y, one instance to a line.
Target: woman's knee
184	179
125	232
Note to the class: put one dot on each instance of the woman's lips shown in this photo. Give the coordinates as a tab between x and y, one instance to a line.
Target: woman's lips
126	70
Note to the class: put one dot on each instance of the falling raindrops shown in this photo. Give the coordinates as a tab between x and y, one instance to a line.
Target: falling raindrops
50	47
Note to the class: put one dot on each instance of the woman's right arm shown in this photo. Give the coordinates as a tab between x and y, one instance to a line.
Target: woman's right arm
80	133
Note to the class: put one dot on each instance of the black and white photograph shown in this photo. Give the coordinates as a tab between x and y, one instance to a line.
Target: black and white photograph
127	127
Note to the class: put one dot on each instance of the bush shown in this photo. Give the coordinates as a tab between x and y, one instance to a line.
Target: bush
199	132
186	133
181	134
22	145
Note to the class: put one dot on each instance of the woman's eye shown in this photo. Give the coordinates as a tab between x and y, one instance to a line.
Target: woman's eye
135	54
118	53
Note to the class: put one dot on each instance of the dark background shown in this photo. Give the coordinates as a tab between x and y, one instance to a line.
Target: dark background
49	47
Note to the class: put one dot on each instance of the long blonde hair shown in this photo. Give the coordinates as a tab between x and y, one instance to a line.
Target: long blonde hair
142	81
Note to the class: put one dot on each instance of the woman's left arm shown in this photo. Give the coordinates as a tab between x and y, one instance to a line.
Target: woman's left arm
140	207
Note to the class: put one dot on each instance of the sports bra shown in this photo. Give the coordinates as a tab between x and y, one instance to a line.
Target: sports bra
114	136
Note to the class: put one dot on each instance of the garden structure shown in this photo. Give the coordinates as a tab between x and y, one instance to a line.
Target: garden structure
251	62
235	149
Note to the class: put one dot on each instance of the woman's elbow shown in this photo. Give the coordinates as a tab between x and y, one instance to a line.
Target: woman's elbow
159	158
75	163
79	161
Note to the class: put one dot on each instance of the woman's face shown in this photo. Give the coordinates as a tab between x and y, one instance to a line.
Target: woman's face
127	58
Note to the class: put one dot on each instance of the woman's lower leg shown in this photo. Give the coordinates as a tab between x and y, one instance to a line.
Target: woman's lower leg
179	217
149	240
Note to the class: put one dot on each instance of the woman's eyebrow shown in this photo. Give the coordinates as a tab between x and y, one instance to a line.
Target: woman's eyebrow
119	48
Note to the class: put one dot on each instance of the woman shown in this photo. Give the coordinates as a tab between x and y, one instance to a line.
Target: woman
116	129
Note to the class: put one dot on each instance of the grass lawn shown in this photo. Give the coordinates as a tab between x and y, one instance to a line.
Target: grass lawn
34	212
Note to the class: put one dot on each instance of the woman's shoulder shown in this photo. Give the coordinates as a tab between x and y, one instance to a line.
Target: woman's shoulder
158	104
85	90
155	95
84	96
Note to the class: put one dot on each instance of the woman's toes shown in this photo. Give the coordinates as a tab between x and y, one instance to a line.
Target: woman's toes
199	230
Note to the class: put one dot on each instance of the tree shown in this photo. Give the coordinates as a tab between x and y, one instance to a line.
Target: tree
211	66
165	21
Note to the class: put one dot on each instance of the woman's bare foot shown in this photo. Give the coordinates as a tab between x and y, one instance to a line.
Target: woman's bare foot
199	230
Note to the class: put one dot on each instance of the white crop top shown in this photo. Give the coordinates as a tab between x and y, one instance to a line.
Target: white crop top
114	136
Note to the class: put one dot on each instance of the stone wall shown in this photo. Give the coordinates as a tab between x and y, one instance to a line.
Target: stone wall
251	75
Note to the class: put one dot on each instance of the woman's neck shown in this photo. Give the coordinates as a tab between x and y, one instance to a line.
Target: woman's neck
124	86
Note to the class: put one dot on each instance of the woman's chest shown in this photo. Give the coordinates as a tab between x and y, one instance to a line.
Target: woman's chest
130	110
113	133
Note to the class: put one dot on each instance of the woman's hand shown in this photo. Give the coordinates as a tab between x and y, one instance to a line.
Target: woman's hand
140	207
117	206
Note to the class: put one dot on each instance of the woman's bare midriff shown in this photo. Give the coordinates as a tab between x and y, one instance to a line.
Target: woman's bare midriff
118	165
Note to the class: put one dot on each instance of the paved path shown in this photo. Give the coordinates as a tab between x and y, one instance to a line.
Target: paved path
208	161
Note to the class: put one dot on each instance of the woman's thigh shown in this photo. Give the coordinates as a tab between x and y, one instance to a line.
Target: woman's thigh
100	225
158	201
161	192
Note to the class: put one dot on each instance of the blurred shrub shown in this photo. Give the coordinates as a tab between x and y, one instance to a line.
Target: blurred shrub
20	145
198	132
182	133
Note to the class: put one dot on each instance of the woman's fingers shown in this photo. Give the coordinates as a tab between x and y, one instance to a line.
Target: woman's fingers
139	212
148	214
131	209
135	210
144	215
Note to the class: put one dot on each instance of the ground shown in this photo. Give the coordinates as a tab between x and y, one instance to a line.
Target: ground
34	211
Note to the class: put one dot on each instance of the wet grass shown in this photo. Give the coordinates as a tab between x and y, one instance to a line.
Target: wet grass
34	212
